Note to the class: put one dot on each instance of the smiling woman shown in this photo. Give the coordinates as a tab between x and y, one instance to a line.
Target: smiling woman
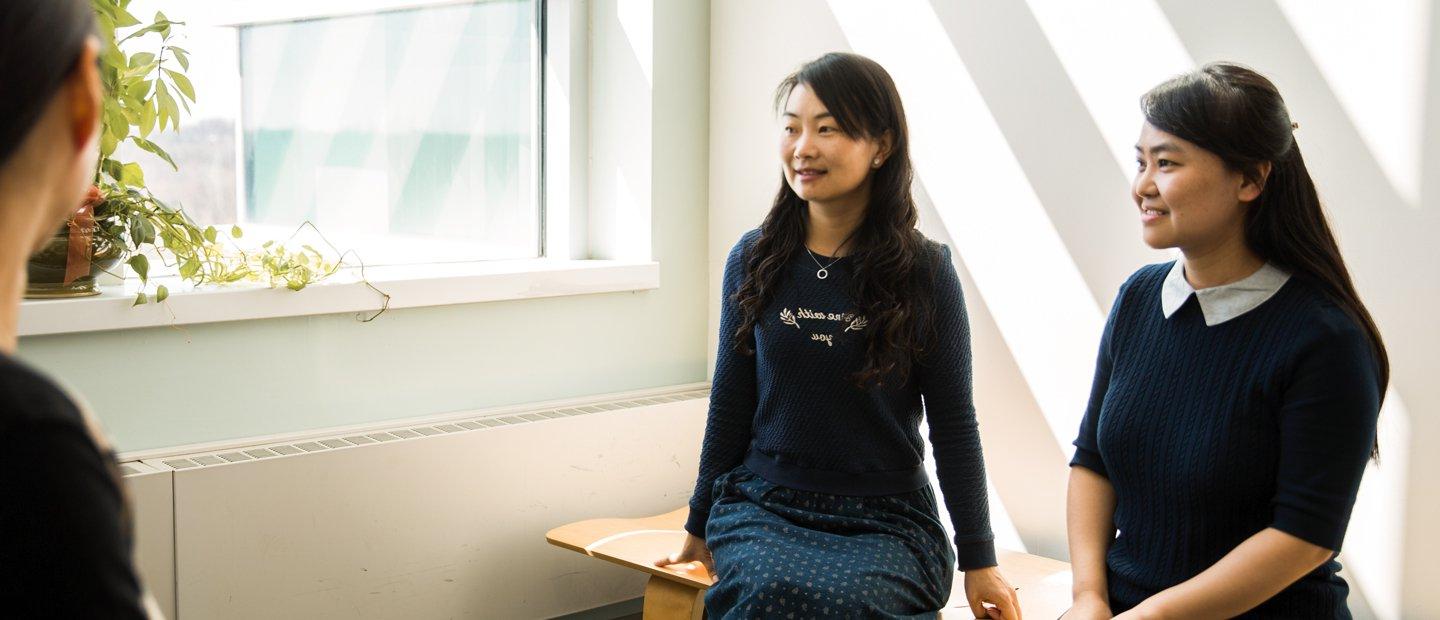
1236	390
1189	198
823	164
812	457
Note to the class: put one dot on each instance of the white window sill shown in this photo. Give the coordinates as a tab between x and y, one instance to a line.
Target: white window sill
408	286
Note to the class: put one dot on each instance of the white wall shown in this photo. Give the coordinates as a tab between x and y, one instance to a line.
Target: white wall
1021	118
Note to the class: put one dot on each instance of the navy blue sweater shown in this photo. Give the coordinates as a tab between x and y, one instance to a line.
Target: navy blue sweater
1211	434
793	414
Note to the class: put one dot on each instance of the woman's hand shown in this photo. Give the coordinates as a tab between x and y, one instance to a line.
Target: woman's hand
693	553
1088	607
987	585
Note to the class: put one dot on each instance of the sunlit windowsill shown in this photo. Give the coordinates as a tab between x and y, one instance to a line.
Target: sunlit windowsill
408	286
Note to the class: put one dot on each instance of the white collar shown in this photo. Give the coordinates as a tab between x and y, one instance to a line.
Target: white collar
1227	301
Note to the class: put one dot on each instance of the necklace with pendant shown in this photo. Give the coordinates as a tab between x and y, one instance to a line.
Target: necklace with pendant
824	271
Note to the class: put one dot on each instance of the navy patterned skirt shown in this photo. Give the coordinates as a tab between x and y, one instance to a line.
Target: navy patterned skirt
785	553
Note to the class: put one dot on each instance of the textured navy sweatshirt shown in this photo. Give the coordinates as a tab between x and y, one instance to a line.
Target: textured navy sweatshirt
793	414
1210	434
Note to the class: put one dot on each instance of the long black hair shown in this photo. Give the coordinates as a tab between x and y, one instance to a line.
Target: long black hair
40	40
1237	114
889	257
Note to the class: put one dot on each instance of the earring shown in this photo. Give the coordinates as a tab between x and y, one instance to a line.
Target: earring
877	162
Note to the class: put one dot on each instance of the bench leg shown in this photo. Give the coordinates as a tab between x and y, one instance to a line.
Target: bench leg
668	600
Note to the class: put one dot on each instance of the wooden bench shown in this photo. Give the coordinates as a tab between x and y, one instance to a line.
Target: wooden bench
1043	583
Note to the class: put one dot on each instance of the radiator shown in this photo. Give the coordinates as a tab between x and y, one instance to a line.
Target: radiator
442	517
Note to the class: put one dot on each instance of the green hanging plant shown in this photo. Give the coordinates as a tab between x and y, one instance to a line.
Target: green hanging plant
145	93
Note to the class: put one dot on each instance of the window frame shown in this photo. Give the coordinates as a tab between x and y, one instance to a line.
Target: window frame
567	264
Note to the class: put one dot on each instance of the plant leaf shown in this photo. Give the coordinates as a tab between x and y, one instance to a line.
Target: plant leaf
132	116
181	56
131	174
161	293
141	58
103	8
236	233
141	230
155	149
139	71
139	299
141	265
148	115
113	57
123	18
107	143
141	32
161	111
111	168
189	269
140	89
115	118
147	230
182	83
210	234
168	108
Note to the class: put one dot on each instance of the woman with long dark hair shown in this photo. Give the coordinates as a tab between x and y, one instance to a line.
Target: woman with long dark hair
64	530
837	318
1237	388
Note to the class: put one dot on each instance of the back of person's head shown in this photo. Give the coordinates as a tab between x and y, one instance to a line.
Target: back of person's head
49	100
1238	114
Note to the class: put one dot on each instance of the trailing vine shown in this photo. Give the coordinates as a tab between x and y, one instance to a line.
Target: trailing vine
145	92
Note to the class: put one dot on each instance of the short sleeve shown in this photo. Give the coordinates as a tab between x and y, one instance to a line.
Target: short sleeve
1327	429
1087	444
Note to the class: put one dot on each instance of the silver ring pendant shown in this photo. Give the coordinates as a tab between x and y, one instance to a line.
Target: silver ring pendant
823	273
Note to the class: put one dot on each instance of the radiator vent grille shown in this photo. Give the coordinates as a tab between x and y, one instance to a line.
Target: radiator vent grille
404	433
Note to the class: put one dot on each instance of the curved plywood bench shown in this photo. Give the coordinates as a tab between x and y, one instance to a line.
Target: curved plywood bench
637	543
1043	583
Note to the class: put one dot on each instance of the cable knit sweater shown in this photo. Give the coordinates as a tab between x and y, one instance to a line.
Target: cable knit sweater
1210	434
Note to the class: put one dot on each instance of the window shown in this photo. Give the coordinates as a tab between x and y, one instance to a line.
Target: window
410	135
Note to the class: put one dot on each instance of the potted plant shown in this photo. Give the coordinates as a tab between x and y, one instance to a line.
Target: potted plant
145	92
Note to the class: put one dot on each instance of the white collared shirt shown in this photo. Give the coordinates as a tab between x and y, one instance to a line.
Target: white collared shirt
1227	301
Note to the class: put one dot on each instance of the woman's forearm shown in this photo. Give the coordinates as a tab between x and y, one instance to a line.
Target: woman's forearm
1249	575
1090	522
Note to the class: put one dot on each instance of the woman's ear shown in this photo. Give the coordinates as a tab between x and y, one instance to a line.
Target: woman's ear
1253	184
886	145
82	89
